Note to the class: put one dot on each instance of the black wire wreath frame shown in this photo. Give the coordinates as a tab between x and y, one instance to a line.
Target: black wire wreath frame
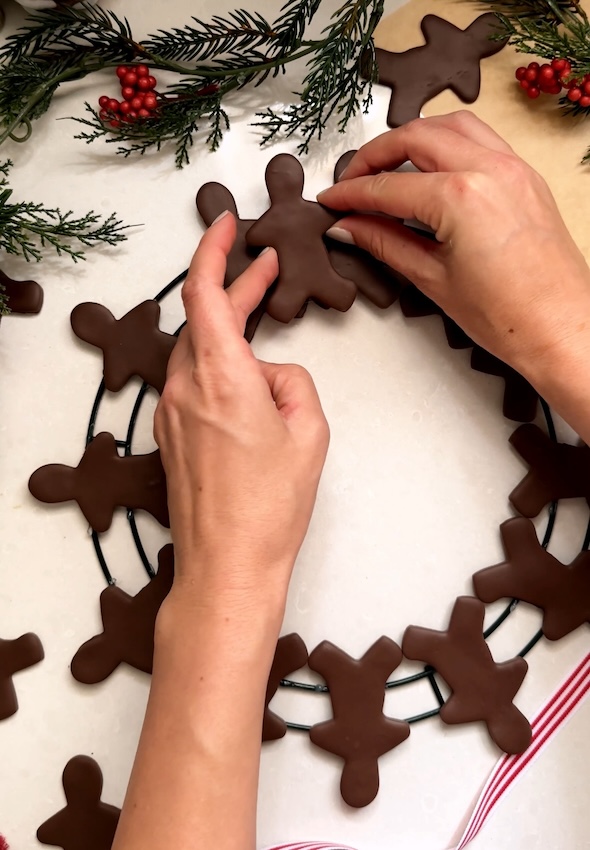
428	673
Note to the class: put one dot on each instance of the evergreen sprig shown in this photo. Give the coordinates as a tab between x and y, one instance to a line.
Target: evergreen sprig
211	58
346	64
26	228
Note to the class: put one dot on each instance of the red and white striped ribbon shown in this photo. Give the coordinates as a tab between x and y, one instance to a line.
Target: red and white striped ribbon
545	725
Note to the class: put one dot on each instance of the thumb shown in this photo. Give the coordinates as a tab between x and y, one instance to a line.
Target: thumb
295	396
393	243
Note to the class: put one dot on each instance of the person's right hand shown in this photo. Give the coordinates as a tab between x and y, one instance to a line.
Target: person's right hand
505	267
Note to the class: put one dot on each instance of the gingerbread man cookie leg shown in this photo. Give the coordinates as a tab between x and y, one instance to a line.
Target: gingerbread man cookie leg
24	296
359	732
86	823
290	655
295	227
16	655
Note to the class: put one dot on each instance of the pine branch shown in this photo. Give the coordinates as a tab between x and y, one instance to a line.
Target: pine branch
336	81
26	228
230	52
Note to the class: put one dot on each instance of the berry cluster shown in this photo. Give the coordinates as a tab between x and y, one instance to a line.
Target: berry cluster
553	79
138	97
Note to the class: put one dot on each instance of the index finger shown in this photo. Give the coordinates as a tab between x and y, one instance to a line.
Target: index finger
210	317
431	144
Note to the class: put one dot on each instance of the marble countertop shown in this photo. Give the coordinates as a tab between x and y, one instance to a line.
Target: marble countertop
414	490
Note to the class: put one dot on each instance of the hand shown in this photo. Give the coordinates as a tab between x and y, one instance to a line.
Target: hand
243	442
505	267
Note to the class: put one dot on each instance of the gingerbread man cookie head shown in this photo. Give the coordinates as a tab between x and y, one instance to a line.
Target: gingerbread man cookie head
284	178
53	483
214	199
82	782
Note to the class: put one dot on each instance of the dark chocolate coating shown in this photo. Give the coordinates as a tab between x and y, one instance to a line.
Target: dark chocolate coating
103	481
448	60
16	655
128	627
343	163
24	296
481	688
212	200
557	471
86	823
290	655
295	227
520	398
531	574
359	732
132	345
414	304
375	280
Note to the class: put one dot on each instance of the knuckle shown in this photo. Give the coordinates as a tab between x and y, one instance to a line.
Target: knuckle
466	186
463	119
172	396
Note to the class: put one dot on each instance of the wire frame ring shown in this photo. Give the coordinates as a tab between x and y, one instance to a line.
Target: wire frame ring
428	673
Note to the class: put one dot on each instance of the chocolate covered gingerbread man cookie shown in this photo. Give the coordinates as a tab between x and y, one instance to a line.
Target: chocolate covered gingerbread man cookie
86	823
103	481
295	227
128	627
449	60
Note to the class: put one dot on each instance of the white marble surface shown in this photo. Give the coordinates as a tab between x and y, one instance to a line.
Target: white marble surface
414	489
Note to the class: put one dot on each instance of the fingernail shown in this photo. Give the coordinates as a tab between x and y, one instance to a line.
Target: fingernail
323	192
339	234
264	251
219	217
342	174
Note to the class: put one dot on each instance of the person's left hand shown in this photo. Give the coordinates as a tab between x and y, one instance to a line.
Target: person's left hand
243	442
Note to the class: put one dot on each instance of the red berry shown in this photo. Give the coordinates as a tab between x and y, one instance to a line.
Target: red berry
554	89
143	84
130	79
586	88
519	74
142	70
533	91
584	101
574	94
128	92
103	115
558	65
524	84
125	107
546	73
150	101
113	105
115	123
103	101
121	71
530	74
533	66
152	81
143	113
136	103
131	116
